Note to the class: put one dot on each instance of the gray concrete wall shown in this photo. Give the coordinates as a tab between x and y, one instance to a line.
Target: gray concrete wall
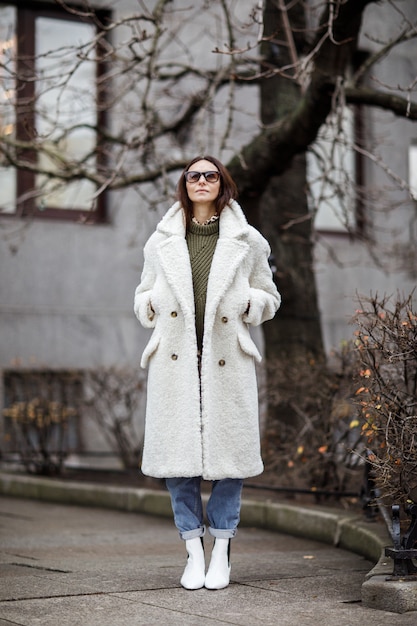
67	296
67	293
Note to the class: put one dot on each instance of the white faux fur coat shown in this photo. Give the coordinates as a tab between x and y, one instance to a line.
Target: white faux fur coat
213	430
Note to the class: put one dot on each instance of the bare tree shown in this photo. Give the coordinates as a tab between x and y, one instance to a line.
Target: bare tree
159	90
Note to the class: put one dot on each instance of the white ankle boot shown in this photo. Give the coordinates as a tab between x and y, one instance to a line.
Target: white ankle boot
218	575
194	573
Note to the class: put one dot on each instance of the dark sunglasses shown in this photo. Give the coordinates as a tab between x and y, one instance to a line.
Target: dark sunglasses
194	177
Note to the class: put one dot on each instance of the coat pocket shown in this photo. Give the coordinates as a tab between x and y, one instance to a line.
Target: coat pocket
248	346
149	350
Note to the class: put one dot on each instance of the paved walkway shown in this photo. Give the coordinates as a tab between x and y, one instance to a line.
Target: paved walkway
68	565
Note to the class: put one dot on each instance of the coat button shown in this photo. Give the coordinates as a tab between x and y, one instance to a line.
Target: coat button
174	314
174	357
222	362
224	319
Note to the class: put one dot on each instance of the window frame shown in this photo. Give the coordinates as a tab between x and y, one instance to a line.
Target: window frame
412	168
26	14
358	226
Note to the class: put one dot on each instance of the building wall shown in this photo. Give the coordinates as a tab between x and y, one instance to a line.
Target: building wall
67	293
391	267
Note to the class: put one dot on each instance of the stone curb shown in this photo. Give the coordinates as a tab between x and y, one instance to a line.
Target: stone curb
341	529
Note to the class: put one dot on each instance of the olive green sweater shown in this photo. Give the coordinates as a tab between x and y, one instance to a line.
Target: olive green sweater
201	242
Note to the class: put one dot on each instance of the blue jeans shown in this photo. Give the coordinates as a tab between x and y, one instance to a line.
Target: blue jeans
223	507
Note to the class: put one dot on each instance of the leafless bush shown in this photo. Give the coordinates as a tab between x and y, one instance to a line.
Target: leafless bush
111	398
40	413
387	392
311	440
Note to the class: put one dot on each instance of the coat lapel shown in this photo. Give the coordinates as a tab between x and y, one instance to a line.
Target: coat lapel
230	252
228	256
175	262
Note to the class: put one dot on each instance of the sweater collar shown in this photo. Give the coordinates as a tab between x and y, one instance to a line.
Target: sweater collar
204	230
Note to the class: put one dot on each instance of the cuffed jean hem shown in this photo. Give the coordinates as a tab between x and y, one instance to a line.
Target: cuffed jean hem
192	534
222	533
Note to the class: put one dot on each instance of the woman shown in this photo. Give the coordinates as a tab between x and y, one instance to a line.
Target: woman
205	279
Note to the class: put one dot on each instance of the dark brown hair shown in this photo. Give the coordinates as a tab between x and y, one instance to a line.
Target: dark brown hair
228	189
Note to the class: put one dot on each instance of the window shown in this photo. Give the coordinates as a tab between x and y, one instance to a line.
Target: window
412	169
50	111
331	167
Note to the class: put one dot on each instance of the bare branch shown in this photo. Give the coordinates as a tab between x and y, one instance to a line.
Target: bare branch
406	35
402	107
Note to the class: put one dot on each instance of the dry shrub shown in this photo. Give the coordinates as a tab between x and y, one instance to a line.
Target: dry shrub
41	417
312	431
111	398
386	392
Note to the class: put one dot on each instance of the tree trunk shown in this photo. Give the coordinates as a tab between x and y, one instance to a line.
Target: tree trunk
281	213
295	332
